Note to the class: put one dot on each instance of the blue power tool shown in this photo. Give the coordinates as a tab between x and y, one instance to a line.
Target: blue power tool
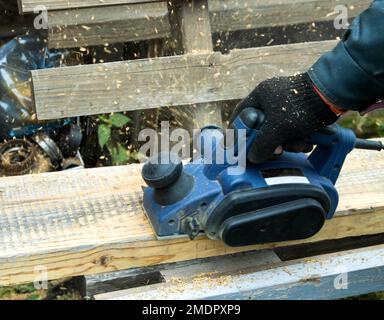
286	198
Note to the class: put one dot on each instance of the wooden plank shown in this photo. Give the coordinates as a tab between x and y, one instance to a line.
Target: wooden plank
229	9
97	26
232	15
28	6
92	221
126	279
165	81
191	31
191	25
326	277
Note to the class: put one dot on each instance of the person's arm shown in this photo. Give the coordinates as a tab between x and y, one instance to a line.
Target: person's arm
351	76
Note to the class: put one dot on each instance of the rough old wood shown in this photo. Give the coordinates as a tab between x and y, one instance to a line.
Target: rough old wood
325	277
191	31
99	25
26	6
165	81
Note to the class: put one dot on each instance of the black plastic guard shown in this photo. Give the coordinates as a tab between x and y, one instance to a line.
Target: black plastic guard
251	200
295	220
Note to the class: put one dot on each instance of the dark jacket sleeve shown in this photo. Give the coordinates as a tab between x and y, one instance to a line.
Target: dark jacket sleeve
352	75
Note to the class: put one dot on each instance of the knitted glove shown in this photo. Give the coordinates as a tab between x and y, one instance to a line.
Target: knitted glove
293	111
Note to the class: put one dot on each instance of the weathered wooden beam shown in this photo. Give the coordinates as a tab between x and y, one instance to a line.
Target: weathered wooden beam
100	25
231	15
231	10
104	286
191	29
325	277
191	25
28	6
63	224
165	81
94	26
126	279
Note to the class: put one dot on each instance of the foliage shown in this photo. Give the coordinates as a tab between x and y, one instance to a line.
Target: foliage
109	132
62	289
370	126
24	291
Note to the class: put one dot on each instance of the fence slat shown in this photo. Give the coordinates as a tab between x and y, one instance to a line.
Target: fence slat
166	81
28	6
121	23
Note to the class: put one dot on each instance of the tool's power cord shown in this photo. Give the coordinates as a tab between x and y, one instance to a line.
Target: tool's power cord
369	145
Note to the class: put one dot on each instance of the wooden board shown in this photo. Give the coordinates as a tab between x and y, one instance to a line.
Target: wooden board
191	33
27	6
99	25
126	279
191	25
92	222
328	277
231	15
230	9
166	81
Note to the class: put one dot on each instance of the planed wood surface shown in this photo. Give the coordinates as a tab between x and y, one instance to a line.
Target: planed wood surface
28	6
99	25
166	81
92	221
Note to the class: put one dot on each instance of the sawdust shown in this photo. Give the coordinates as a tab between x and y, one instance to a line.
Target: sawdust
202	281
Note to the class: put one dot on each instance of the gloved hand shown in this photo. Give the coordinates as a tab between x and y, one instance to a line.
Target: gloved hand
293	111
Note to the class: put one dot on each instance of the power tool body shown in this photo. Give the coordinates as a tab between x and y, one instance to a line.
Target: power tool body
287	198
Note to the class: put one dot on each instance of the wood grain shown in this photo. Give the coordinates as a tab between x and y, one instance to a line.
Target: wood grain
166	81
231	15
99	25
92	221
191	25
28	6
304	279
191	32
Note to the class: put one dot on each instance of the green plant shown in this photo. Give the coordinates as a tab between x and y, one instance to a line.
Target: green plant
370	126
108	132
24	291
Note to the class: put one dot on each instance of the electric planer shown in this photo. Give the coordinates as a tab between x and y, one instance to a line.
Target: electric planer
286	198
